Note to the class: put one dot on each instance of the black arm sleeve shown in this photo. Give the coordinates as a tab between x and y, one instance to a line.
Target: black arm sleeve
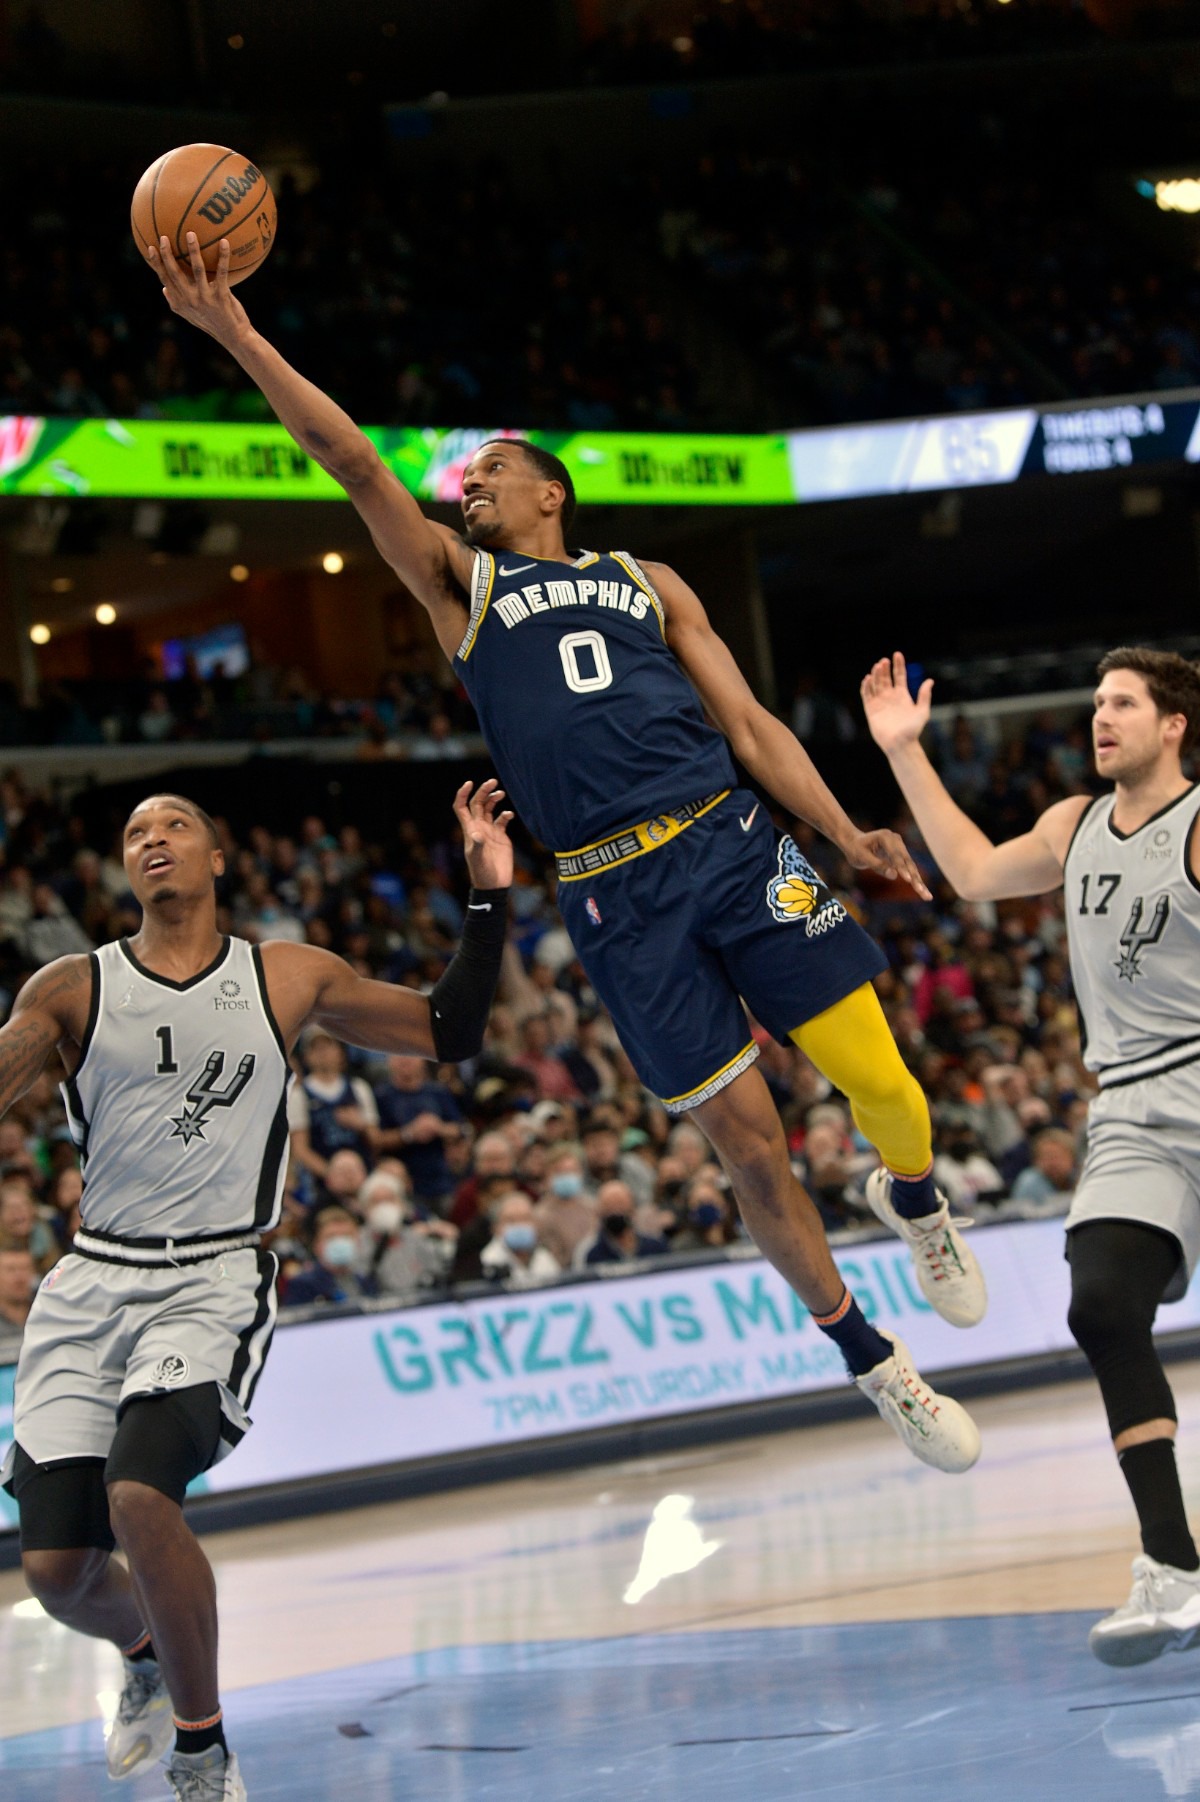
462	995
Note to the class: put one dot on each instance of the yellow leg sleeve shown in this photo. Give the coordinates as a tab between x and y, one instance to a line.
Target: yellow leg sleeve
852	1046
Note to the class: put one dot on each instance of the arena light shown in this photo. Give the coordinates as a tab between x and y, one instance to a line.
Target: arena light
106	614
239	573
333	563
62	584
1179	196
40	634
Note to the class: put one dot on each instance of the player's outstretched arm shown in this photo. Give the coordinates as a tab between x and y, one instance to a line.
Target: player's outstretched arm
429	558
979	870
52	1006
773	755
307	985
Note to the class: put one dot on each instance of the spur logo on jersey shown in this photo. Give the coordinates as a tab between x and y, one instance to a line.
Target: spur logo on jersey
1139	935
170	1372
795	894
204	1095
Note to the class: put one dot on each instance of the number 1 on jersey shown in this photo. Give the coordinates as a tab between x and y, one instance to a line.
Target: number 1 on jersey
166	1065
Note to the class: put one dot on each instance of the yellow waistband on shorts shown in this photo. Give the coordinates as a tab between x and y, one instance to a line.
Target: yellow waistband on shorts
635	841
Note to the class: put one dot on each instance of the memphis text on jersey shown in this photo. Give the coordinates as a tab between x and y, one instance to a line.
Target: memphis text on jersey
542	597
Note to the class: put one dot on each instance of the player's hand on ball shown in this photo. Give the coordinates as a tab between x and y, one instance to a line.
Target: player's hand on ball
895	719
887	854
208	303
485	834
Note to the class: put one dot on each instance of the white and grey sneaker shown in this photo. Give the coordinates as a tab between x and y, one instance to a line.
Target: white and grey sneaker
935	1429
947	1270
143	1726
206	1777
1161	1615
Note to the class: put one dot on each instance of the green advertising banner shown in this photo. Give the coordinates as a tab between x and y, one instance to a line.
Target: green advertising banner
166	460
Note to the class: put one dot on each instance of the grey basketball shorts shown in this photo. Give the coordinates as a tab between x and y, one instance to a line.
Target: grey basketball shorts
1143	1162
100	1333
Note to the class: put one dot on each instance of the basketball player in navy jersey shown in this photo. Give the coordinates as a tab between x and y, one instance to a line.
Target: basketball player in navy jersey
592	677
145	1342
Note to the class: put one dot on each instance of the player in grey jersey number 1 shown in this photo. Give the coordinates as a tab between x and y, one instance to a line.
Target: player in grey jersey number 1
89	1472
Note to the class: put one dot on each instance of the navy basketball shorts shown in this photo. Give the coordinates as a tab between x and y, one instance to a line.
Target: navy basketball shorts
675	939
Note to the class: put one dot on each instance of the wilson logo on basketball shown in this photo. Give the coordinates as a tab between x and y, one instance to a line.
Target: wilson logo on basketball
222	200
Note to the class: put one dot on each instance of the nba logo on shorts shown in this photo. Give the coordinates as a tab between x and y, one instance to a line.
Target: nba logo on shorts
593	912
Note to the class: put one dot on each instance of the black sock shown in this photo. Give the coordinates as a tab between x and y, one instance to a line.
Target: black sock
861	1346
914	1196
199	1736
1149	1469
145	1654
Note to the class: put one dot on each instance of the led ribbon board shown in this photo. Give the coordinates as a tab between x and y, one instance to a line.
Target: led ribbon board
166	459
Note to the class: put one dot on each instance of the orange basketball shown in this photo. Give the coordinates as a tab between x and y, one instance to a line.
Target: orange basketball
214	192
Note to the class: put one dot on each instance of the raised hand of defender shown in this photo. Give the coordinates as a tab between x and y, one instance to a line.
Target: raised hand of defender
485	834
895	719
201	299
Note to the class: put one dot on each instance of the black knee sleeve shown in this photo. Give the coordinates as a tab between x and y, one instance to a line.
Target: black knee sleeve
166	1440
63	1506
1119	1271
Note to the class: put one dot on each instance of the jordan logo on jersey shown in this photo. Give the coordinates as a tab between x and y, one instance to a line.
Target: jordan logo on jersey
204	1096
1137	938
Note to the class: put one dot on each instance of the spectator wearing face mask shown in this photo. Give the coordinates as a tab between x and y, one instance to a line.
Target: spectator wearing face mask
17	1280
565	1216
710	1225
514	1256
400	1252
333	1273
618	1240
605	1159
962	1173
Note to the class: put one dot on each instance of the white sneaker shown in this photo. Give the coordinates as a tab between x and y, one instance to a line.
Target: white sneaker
143	1726
206	1777
947	1270
1161	1615
935	1429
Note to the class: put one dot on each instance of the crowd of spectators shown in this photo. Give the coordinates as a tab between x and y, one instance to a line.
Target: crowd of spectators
417	712
544	1157
369	301
885	278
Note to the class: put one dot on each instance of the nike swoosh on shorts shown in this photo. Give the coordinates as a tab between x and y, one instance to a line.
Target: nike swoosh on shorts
747	823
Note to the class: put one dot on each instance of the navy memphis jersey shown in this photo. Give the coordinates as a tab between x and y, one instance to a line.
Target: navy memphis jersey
591	721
